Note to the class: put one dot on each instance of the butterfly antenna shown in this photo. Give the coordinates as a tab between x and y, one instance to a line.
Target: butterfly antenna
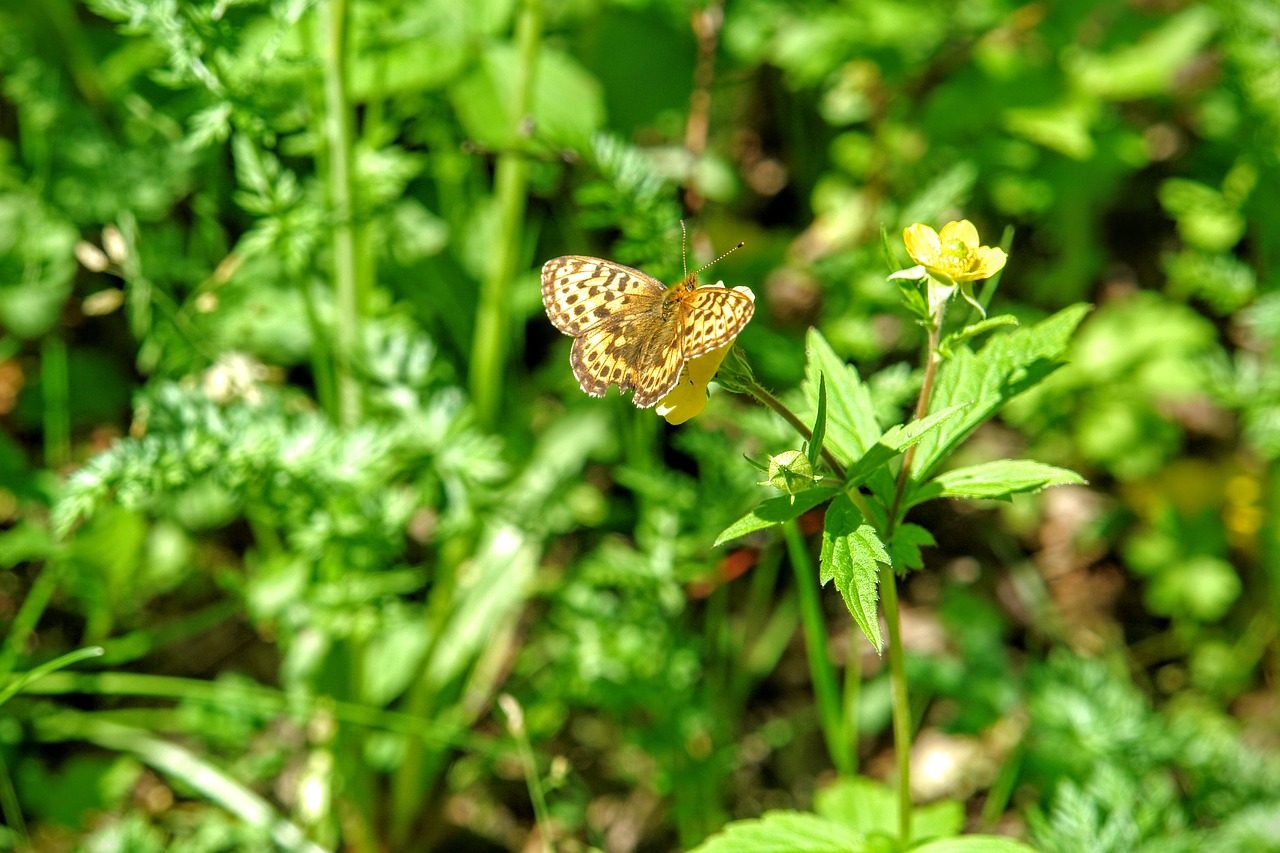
721	258
684	248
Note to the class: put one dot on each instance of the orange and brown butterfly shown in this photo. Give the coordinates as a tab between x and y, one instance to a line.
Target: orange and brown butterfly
633	331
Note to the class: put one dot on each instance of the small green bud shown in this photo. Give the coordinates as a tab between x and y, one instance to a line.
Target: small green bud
790	472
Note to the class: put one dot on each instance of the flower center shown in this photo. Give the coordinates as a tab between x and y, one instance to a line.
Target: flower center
956	258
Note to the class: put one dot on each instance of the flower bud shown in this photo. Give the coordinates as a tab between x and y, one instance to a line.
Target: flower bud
790	472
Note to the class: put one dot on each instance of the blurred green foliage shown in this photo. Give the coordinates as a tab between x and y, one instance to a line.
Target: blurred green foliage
255	443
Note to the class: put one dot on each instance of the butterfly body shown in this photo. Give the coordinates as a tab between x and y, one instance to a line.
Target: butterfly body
633	331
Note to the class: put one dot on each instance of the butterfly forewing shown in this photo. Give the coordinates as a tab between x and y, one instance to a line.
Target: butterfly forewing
713	317
580	293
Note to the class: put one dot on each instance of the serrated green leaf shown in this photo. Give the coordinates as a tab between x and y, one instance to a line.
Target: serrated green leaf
995	480
851	552
784	832
979	328
871	808
905	544
851	420
775	511
894	441
1005	367
974	844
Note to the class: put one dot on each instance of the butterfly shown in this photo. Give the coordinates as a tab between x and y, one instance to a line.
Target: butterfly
633	331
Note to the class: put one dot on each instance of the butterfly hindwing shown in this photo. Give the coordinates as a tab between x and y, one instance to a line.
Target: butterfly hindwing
657	367
637	353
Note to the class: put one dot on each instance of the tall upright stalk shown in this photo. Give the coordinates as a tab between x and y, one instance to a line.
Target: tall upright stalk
349	290
889	596
493	324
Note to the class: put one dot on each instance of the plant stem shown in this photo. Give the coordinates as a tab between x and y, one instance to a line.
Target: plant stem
347	286
825	688
529	763
23	624
852	693
772	402
922	408
11	809
493	327
889	595
901	703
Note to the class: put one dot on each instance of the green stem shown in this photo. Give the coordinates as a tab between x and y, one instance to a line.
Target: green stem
28	615
772	402
55	394
493	326
15	685
901	703
889	595
76	50
825	688
440	735
932	360
852	694
532	780
347	286
322	358
11	809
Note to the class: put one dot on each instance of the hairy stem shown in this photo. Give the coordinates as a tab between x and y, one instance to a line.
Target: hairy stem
889	595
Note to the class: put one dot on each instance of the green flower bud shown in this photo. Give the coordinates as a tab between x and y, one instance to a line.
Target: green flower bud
790	472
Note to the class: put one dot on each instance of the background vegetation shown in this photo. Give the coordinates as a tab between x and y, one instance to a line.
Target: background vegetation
284	431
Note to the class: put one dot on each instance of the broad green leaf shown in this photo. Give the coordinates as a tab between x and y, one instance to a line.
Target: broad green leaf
784	832
851	428
851	421
894	441
994	480
974	844
775	511
1008	365
851	552
905	544
568	106
871	808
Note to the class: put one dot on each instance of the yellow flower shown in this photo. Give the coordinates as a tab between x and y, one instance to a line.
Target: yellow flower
954	255
689	397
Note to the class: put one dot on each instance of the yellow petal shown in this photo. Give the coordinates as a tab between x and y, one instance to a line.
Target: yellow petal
990	262
962	231
923	244
689	397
